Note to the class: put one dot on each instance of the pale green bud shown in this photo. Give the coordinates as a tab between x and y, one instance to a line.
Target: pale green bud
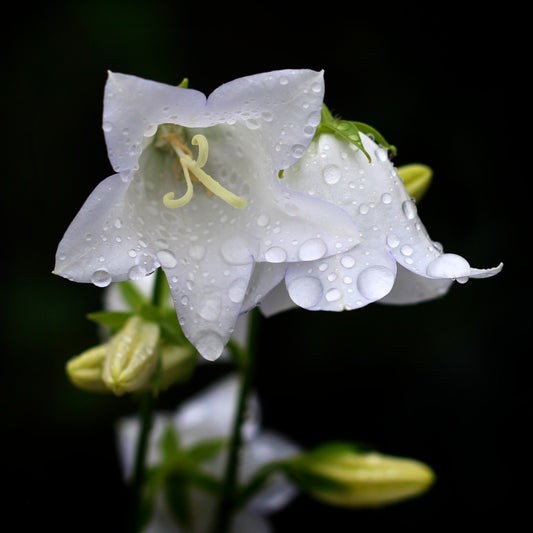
132	355
344	477
416	178
85	370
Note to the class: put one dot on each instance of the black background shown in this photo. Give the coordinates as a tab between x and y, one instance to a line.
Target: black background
444	381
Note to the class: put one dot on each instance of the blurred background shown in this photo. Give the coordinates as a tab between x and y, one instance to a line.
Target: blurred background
443	382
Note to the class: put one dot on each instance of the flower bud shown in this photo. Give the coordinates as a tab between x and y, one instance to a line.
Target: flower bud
131	356
85	370
344	477
416	179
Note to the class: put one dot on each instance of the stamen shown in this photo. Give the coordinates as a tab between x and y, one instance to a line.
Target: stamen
194	167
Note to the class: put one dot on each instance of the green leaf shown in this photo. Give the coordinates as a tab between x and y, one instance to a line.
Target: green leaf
177	496
349	131
169	443
206	450
114	320
372	132
132	295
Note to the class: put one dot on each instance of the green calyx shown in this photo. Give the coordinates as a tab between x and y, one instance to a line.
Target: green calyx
350	131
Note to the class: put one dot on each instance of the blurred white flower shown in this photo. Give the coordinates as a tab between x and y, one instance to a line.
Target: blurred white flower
209	415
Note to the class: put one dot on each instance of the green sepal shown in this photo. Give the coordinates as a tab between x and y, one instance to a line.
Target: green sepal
184	83
114	320
206	450
349	131
131	295
177	497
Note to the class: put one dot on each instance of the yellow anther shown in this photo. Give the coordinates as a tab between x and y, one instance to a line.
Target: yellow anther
194	167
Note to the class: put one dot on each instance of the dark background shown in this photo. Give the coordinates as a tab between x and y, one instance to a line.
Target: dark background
444	382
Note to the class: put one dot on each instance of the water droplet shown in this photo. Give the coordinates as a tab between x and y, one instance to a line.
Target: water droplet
210	307
209	344
393	241
235	252
386	198
136	272
262	219
332	295
150	130
347	261
305	291
101	278
323	267
298	150
283	80
331	174
363	209
316	87
197	252
237	290
381	154
409	209
132	253
406	250
118	223
267	116
312	249
275	254
167	259
449	266
184	300
107	126
375	282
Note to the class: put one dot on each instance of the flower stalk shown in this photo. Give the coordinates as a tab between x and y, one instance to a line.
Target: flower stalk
228	496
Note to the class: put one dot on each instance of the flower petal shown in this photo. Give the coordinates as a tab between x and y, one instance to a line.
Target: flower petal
101	244
210	413
286	105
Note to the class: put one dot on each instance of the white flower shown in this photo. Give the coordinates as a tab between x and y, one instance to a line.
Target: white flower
396	262
206	219
207	416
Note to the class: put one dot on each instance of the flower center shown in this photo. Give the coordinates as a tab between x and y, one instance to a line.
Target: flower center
192	170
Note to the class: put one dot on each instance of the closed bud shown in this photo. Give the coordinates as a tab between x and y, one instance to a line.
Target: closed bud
341	476
416	179
132	356
85	370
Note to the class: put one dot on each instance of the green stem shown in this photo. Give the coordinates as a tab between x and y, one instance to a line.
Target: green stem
146	412
228	495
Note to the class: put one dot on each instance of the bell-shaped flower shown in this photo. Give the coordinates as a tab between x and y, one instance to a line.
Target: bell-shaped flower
203	418
197	192
396	262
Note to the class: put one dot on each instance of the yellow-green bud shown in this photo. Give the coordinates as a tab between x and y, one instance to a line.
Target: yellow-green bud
131	356
416	178
350	479
85	370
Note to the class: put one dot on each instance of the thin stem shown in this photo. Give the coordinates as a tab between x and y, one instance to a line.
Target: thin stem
228	496
146	411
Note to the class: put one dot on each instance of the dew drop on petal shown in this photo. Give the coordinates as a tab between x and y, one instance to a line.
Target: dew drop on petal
237	290
386	198
449	266
381	154
409	209
235	252
210	307
298	150
136	272
305	291
312	249
276	254
332	295
167	259
210	345
393	241
406	250
331	174
101	278
375	282
347	261
107	126
197	252
262	220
